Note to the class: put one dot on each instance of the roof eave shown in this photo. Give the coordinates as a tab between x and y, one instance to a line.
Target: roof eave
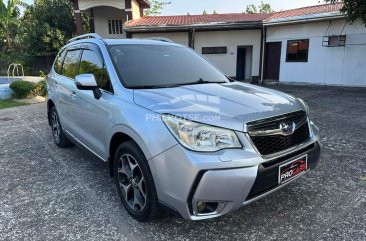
304	18
165	28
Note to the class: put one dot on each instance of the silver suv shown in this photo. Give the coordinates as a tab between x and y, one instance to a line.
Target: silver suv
177	134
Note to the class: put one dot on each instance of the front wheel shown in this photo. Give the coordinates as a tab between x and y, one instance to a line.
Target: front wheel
134	182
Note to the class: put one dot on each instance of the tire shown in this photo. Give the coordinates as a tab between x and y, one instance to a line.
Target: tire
58	134
136	189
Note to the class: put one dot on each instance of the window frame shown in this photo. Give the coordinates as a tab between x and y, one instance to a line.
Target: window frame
95	48
61	54
297	50
69	49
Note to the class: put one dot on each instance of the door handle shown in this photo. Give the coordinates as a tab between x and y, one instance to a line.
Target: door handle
73	95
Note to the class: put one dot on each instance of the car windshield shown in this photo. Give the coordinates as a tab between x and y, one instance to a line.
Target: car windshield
159	66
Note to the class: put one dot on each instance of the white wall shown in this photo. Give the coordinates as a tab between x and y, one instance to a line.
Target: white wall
232	39
101	20
326	65
135	9
177	37
86	4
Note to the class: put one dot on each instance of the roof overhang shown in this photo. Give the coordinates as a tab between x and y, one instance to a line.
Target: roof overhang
144	3
304	19
200	27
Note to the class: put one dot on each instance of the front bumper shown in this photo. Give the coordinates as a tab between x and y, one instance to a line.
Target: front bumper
230	178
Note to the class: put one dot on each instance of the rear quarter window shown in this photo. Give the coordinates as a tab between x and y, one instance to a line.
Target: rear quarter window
59	60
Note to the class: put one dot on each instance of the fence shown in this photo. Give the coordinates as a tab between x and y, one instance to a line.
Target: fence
32	64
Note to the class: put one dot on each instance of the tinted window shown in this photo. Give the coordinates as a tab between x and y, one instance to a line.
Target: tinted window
92	63
297	50
214	50
59	60
70	66
161	65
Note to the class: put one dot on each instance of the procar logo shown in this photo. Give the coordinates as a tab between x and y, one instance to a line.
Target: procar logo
292	169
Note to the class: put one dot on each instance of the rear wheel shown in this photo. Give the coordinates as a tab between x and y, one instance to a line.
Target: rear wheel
58	135
134	182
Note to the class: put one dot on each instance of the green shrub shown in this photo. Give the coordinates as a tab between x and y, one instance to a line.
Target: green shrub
23	89
41	88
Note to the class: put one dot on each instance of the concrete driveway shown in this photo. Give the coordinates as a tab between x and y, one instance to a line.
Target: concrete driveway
47	193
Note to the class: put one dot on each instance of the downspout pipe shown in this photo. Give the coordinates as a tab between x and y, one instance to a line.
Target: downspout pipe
263	50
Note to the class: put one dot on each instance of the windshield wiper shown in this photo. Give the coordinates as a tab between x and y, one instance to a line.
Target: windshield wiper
200	81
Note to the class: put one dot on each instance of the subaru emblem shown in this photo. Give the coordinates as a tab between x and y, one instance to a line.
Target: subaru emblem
287	128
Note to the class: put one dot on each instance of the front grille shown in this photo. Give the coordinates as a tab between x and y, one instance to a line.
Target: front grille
269	144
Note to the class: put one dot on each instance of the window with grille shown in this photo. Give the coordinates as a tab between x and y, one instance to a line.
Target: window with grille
115	26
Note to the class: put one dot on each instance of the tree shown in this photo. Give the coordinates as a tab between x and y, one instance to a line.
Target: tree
251	9
47	25
263	8
9	23
204	12
156	7
353	9
215	12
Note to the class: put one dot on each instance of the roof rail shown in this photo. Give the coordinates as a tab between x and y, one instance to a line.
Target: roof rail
160	39
86	36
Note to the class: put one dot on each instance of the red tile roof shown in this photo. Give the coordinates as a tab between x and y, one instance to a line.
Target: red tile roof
324	8
181	20
196	19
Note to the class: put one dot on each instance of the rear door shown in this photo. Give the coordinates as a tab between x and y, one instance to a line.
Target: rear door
92	116
66	87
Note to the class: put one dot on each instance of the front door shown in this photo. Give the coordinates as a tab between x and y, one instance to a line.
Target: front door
240	63
92	116
273	61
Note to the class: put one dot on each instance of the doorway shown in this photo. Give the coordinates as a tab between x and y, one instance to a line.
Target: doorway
272	61
244	63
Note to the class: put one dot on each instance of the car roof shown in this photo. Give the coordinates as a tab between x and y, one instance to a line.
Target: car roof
138	42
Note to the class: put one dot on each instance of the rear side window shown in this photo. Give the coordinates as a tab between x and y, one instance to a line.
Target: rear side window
71	63
92	63
59	60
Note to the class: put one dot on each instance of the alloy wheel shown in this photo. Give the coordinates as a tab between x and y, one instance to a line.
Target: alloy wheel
132	182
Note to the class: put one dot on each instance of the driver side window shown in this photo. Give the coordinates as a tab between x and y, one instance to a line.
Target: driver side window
92	63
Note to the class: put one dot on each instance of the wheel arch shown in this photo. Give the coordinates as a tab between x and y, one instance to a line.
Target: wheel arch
119	137
50	104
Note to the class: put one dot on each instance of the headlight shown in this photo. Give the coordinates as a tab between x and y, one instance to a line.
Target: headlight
200	137
305	105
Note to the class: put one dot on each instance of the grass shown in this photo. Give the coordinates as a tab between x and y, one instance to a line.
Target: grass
10	103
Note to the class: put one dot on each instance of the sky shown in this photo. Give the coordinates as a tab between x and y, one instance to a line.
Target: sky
226	6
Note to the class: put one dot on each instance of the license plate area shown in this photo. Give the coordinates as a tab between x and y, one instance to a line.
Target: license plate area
292	169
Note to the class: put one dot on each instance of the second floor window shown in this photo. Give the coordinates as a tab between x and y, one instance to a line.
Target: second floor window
115	26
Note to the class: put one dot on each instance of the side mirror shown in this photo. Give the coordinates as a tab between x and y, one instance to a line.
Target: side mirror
88	82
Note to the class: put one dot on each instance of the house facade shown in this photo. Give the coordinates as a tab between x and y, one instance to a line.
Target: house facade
107	17
307	45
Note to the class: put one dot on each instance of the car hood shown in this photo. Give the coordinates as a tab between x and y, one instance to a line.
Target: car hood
228	105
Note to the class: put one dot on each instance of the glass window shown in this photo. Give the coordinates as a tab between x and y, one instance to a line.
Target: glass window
214	50
59	60
297	50
70	66
92	63
147	66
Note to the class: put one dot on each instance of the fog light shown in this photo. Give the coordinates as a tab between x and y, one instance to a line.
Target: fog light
201	206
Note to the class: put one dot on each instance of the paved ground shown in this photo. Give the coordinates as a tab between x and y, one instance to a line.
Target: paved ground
49	193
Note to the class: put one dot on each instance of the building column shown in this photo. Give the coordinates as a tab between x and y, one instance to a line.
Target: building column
79	21
91	21
128	9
